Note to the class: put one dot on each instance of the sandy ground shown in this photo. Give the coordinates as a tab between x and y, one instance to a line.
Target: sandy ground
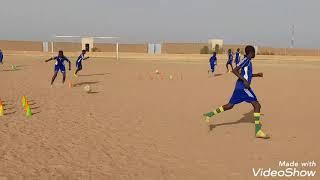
133	127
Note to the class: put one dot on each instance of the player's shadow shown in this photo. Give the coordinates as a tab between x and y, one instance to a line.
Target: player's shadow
93	92
85	83
9	70
247	118
217	75
98	74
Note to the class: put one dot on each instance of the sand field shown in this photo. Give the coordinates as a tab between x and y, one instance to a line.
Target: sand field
136	125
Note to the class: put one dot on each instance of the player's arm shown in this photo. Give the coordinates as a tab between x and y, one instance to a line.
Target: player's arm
257	75
69	62
52	58
86	58
237	73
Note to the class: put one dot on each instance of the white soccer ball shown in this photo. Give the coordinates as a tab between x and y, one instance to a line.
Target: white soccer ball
87	89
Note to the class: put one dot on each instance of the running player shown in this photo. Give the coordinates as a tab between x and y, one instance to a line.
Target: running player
243	92
213	62
1	57
79	62
229	62
238	56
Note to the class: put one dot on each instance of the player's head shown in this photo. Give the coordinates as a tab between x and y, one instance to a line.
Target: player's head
84	51
214	53
60	53
229	51
250	51
238	50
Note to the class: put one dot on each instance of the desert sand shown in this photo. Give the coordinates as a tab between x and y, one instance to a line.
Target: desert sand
136	125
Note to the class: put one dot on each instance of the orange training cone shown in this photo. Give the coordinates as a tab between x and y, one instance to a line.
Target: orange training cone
1	109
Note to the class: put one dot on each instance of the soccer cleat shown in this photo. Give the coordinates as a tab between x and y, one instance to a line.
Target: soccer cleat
208	116
261	134
75	75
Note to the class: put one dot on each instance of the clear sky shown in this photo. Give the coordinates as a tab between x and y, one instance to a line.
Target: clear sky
266	21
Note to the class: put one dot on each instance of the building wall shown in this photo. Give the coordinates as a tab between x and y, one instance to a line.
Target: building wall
167	48
182	48
21	45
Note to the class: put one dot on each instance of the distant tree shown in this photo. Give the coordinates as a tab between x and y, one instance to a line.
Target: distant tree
204	50
95	49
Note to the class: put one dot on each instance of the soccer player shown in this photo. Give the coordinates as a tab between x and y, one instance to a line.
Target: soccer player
79	62
230	59
213	62
238	56
59	66
243	92
1	57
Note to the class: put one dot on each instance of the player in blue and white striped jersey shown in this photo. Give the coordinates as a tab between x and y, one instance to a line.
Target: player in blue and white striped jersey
79	62
230	60
238	56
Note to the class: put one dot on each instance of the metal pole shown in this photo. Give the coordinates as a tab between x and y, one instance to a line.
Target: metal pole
117	49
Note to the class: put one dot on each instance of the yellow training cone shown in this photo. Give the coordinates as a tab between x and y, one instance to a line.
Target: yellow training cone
23	101
28	111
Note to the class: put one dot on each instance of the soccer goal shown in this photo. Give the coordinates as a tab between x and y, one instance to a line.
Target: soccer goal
103	46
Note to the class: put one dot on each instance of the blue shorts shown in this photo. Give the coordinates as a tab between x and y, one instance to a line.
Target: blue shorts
212	67
79	65
61	68
229	62
242	95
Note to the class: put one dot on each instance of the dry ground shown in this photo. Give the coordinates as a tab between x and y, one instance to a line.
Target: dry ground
132	127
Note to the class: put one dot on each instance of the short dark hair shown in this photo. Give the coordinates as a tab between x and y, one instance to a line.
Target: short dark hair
84	50
250	49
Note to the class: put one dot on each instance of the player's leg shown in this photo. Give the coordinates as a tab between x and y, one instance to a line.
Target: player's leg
227	67
231	66
220	110
54	77
212	69
217	111
236	98
252	99
63	77
79	68
63	71
257	121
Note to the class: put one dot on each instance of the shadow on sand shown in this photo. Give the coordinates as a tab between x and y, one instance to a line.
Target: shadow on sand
85	83
247	118
98	74
217	75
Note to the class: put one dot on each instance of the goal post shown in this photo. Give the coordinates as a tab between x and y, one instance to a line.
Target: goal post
102	46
